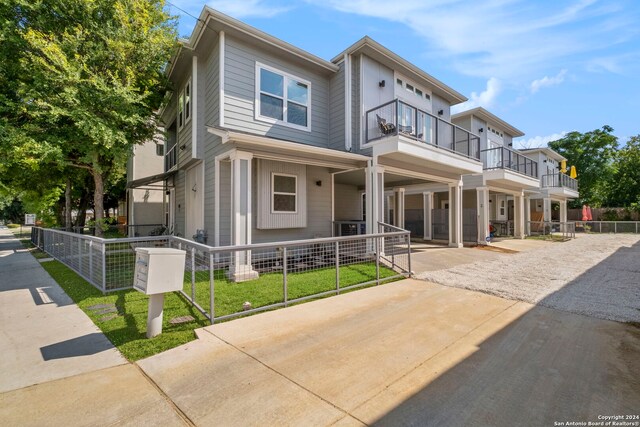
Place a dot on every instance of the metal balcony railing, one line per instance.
(399, 118)
(504, 158)
(559, 180)
(171, 158)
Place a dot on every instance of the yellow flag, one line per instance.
(573, 174)
(563, 166)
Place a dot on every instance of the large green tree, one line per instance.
(84, 79)
(592, 153)
(625, 186)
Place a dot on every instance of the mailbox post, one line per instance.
(158, 270)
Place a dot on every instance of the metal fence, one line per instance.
(505, 158)
(562, 230)
(608, 226)
(559, 180)
(232, 281)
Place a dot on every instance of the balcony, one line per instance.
(504, 158)
(397, 118)
(559, 180)
(170, 158)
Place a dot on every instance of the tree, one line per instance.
(625, 186)
(86, 78)
(592, 154)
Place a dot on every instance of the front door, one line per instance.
(194, 201)
(501, 207)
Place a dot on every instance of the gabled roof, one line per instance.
(490, 118)
(375, 50)
(546, 150)
(218, 21)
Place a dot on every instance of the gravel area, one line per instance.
(594, 275)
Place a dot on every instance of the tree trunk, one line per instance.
(67, 206)
(83, 205)
(98, 202)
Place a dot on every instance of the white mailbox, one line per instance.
(158, 270)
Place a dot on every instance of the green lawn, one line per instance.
(268, 288)
(127, 330)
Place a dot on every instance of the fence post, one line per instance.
(91, 259)
(212, 309)
(377, 248)
(104, 267)
(337, 250)
(636, 227)
(285, 265)
(409, 252)
(615, 227)
(193, 274)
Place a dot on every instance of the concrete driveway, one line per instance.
(407, 353)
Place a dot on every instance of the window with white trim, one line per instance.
(184, 105)
(282, 98)
(284, 193)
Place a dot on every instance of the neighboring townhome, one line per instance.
(556, 187)
(266, 142)
(502, 192)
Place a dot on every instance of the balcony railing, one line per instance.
(559, 180)
(504, 158)
(171, 158)
(399, 118)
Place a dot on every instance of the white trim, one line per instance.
(273, 192)
(221, 95)
(193, 100)
(188, 112)
(333, 203)
(216, 200)
(180, 110)
(285, 99)
(362, 118)
(347, 102)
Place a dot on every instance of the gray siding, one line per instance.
(476, 124)
(263, 170)
(225, 203)
(472, 181)
(240, 65)
(356, 106)
(180, 202)
(336, 109)
(348, 203)
(318, 211)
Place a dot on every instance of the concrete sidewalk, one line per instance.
(57, 367)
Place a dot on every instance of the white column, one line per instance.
(527, 215)
(518, 216)
(455, 214)
(241, 224)
(427, 197)
(483, 214)
(546, 209)
(374, 190)
(399, 207)
(563, 211)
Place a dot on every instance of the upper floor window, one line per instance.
(184, 105)
(282, 98)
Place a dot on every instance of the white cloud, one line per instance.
(247, 8)
(485, 99)
(547, 81)
(537, 141)
(507, 39)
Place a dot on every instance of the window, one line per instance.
(282, 98)
(181, 110)
(159, 150)
(184, 105)
(284, 193)
(418, 93)
(187, 101)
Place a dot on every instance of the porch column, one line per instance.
(483, 214)
(241, 268)
(527, 215)
(546, 209)
(374, 194)
(455, 214)
(518, 216)
(563, 211)
(399, 207)
(427, 197)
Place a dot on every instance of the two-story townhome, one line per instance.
(556, 187)
(503, 190)
(266, 142)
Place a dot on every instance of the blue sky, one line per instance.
(546, 67)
